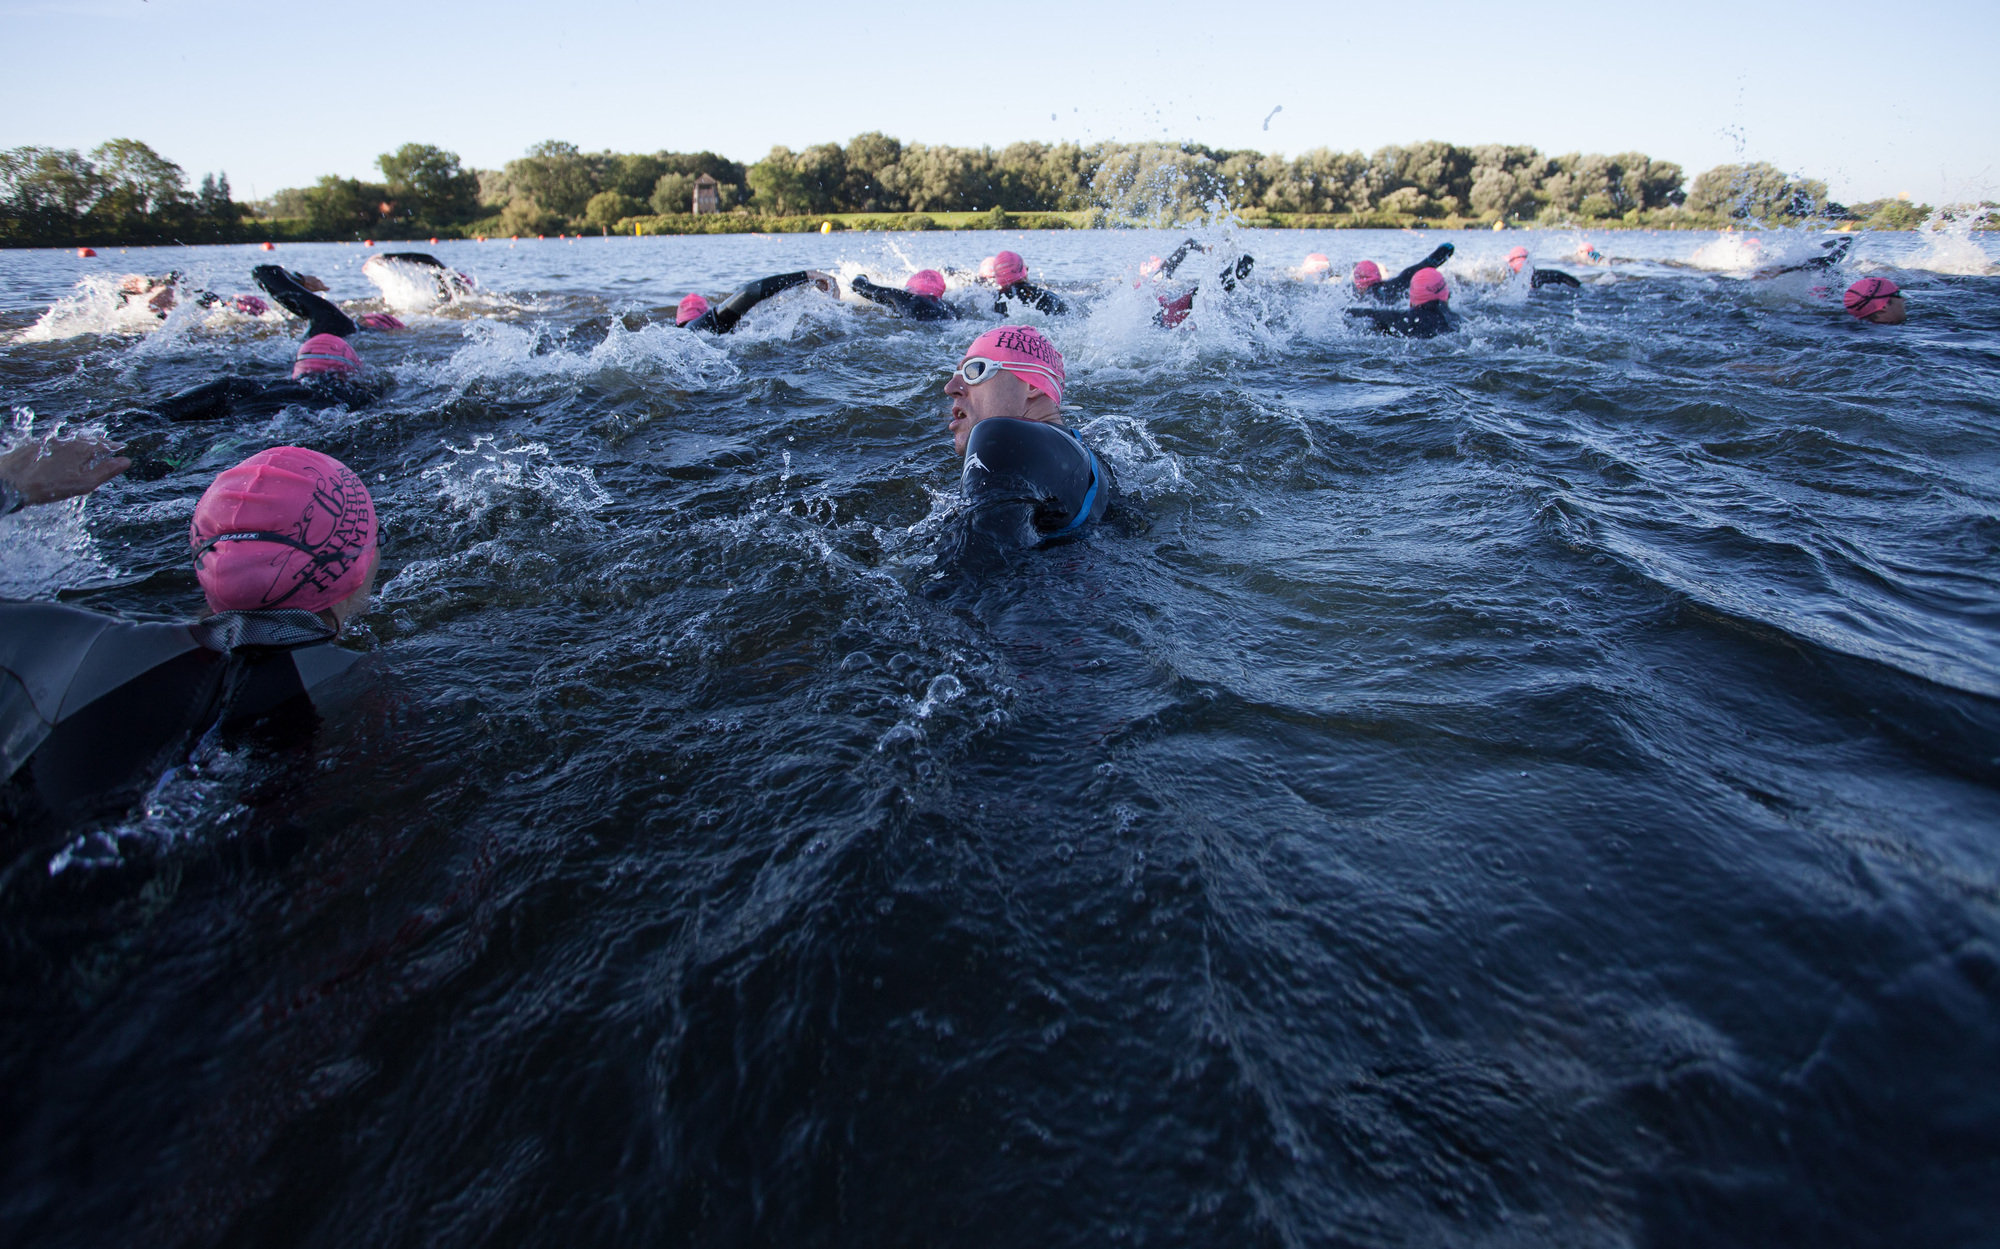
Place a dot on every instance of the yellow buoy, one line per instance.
(826, 227)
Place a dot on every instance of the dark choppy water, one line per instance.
(1531, 788)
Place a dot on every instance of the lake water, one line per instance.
(1535, 787)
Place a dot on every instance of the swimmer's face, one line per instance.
(1891, 313)
(1001, 394)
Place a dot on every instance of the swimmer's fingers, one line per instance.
(62, 468)
(310, 282)
(824, 281)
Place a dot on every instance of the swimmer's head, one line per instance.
(986, 268)
(1008, 269)
(1427, 288)
(1587, 250)
(1009, 371)
(926, 282)
(286, 528)
(690, 307)
(1316, 265)
(325, 353)
(1367, 275)
(1151, 265)
(1875, 299)
(1517, 259)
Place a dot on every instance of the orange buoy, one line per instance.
(481, 238)
(434, 242)
(269, 247)
(368, 242)
(541, 236)
(85, 252)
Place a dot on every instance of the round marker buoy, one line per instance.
(270, 247)
(434, 242)
(826, 227)
(84, 253)
(368, 242)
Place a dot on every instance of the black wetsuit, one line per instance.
(1030, 482)
(1425, 321)
(94, 708)
(1552, 277)
(1039, 298)
(449, 282)
(907, 304)
(244, 396)
(1396, 289)
(723, 317)
(1835, 253)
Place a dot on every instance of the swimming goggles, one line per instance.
(975, 369)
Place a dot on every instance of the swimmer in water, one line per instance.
(1027, 478)
(1369, 283)
(1174, 311)
(49, 470)
(921, 299)
(285, 546)
(447, 283)
(1426, 317)
(1316, 268)
(1833, 252)
(1010, 274)
(1518, 261)
(162, 294)
(696, 313)
(326, 372)
(1875, 300)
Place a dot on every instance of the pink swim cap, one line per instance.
(926, 282)
(325, 353)
(1869, 296)
(1151, 265)
(1366, 275)
(689, 308)
(1316, 262)
(1517, 258)
(1008, 269)
(986, 268)
(1024, 344)
(1428, 287)
(251, 305)
(287, 527)
(380, 321)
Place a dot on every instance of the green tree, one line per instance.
(635, 175)
(866, 156)
(608, 208)
(44, 193)
(673, 193)
(142, 192)
(427, 184)
(345, 208)
(776, 185)
(1756, 192)
(556, 176)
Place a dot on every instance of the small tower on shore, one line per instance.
(706, 193)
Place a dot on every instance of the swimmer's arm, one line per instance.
(1553, 277)
(1173, 262)
(321, 316)
(732, 309)
(415, 258)
(1047, 302)
(52, 469)
(888, 296)
(1401, 282)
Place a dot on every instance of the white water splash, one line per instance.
(1952, 246)
(659, 354)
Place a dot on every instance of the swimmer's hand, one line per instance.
(49, 469)
(860, 280)
(310, 282)
(824, 281)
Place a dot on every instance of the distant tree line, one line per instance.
(124, 191)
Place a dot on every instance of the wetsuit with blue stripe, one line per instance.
(1030, 482)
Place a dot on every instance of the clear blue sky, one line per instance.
(1874, 99)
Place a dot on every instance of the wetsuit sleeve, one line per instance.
(1173, 262)
(1044, 301)
(321, 316)
(415, 258)
(1552, 277)
(10, 499)
(732, 309)
(887, 296)
(1400, 284)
